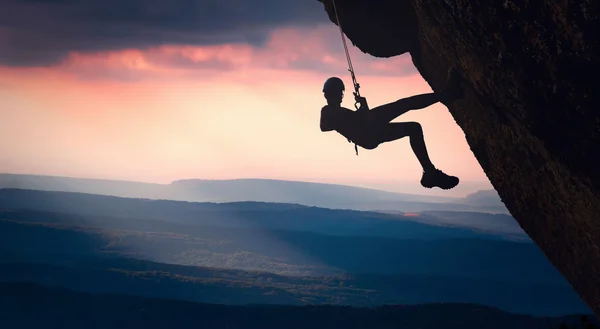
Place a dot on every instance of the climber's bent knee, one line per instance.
(397, 130)
(413, 129)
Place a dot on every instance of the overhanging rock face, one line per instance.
(532, 109)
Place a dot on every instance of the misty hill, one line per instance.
(46, 306)
(249, 215)
(259, 190)
(486, 199)
(54, 237)
(497, 223)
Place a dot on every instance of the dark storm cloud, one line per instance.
(42, 32)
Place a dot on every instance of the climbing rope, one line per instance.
(350, 67)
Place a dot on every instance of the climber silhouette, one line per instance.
(369, 128)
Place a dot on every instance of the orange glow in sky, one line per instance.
(228, 111)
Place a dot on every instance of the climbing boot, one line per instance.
(436, 177)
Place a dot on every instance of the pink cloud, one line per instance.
(317, 49)
(321, 49)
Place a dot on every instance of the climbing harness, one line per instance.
(350, 67)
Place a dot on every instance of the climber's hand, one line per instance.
(362, 101)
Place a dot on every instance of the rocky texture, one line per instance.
(532, 109)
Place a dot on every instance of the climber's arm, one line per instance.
(326, 120)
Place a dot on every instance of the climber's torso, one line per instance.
(353, 125)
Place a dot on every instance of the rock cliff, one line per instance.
(532, 109)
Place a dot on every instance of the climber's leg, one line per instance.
(388, 112)
(431, 175)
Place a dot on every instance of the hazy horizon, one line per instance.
(387, 186)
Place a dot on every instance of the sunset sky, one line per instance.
(161, 90)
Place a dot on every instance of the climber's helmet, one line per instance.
(334, 88)
(333, 84)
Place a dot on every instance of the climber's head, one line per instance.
(333, 90)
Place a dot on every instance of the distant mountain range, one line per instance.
(262, 190)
